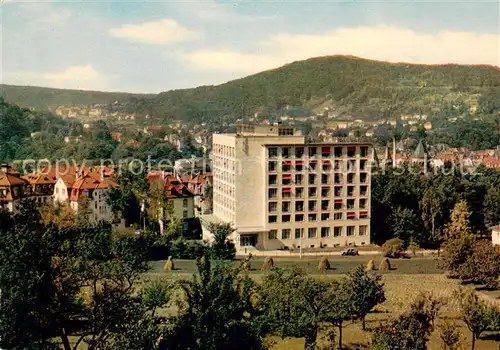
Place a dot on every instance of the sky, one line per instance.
(149, 47)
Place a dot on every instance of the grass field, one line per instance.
(406, 279)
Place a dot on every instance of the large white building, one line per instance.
(279, 191)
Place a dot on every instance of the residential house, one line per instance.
(12, 189)
(495, 235)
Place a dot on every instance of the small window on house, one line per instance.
(285, 218)
(312, 217)
(272, 166)
(272, 218)
(350, 230)
(363, 152)
(351, 151)
(273, 179)
(363, 230)
(325, 216)
(337, 216)
(273, 193)
(299, 152)
(338, 151)
(185, 214)
(286, 234)
(337, 231)
(313, 151)
(299, 217)
(273, 207)
(299, 206)
(325, 232)
(311, 232)
(299, 233)
(285, 152)
(273, 234)
(184, 202)
(272, 152)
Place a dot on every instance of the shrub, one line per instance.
(385, 265)
(169, 265)
(268, 263)
(324, 265)
(370, 266)
(393, 248)
(450, 335)
(413, 247)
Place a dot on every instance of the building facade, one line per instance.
(279, 191)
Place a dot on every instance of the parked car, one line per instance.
(350, 252)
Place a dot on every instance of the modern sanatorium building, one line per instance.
(279, 191)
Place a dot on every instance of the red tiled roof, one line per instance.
(8, 180)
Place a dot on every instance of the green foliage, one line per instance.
(411, 330)
(476, 314)
(221, 248)
(365, 291)
(156, 294)
(215, 311)
(404, 224)
(492, 206)
(393, 248)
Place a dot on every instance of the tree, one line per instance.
(404, 224)
(431, 206)
(393, 248)
(156, 295)
(222, 248)
(492, 206)
(410, 330)
(295, 305)
(484, 263)
(457, 252)
(459, 224)
(216, 310)
(365, 290)
(450, 335)
(84, 212)
(174, 228)
(475, 313)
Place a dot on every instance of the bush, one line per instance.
(370, 266)
(169, 265)
(324, 265)
(385, 265)
(393, 248)
(268, 263)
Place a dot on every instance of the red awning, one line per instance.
(287, 177)
(325, 150)
(299, 162)
(287, 190)
(287, 162)
(338, 201)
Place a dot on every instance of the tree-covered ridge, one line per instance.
(353, 86)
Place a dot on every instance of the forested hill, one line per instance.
(352, 86)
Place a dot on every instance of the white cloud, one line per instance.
(381, 43)
(75, 77)
(162, 32)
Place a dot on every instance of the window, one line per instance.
(350, 178)
(338, 151)
(313, 151)
(298, 179)
(286, 179)
(337, 231)
(337, 205)
(337, 216)
(325, 179)
(363, 214)
(351, 152)
(325, 232)
(325, 192)
(273, 193)
(286, 192)
(272, 219)
(351, 216)
(338, 191)
(350, 203)
(325, 205)
(285, 131)
(312, 217)
(351, 165)
(312, 232)
(327, 166)
(299, 152)
(362, 203)
(273, 207)
(337, 165)
(286, 234)
(299, 166)
(312, 192)
(285, 218)
(363, 190)
(350, 230)
(299, 217)
(363, 164)
(185, 214)
(299, 233)
(272, 152)
(273, 179)
(311, 205)
(272, 166)
(299, 192)
(299, 206)
(338, 178)
(286, 166)
(325, 216)
(285, 207)
(273, 234)
(363, 151)
(350, 191)
(363, 178)
(285, 152)
(312, 179)
(363, 230)
(184, 203)
(325, 151)
(312, 165)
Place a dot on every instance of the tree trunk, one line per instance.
(311, 336)
(473, 341)
(363, 322)
(65, 340)
(340, 336)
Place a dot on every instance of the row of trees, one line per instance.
(415, 207)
